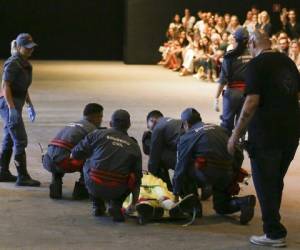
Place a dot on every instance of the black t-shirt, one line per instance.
(275, 78)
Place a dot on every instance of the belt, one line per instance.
(240, 85)
(108, 178)
(202, 162)
(62, 144)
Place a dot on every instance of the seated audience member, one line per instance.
(248, 19)
(176, 25)
(188, 20)
(294, 53)
(253, 25)
(283, 45)
(233, 25)
(220, 25)
(113, 168)
(265, 24)
(292, 27)
(57, 159)
(203, 62)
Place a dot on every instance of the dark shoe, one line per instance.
(80, 192)
(99, 208)
(27, 181)
(6, 176)
(24, 178)
(247, 208)
(206, 192)
(56, 187)
(117, 214)
(147, 213)
(186, 207)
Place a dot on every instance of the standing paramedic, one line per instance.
(16, 79)
(233, 76)
(271, 114)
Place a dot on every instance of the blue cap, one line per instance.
(189, 113)
(25, 40)
(120, 117)
(241, 34)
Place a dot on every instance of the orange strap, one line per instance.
(112, 179)
(62, 144)
(240, 85)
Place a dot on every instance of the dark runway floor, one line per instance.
(30, 220)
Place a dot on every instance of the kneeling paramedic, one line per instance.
(203, 156)
(113, 168)
(160, 142)
(57, 159)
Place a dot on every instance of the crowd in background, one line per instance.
(196, 46)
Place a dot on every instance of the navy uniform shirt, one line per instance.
(202, 140)
(275, 78)
(165, 135)
(233, 67)
(18, 72)
(71, 134)
(110, 150)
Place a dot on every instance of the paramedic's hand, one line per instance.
(216, 105)
(131, 209)
(31, 113)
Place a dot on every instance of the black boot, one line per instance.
(115, 209)
(56, 186)
(5, 174)
(24, 178)
(116, 213)
(99, 207)
(80, 192)
(147, 213)
(246, 204)
(247, 209)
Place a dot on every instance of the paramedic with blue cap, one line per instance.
(233, 76)
(202, 156)
(16, 79)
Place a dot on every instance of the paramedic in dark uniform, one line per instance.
(271, 114)
(16, 79)
(202, 155)
(233, 76)
(113, 168)
(163, 144)
(57, 159)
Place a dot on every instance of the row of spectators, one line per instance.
(197, 46)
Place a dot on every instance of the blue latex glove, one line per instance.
(14, 116)
(31, 113)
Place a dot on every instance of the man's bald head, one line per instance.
(258, 41)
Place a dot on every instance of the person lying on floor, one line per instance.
(156, 201)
